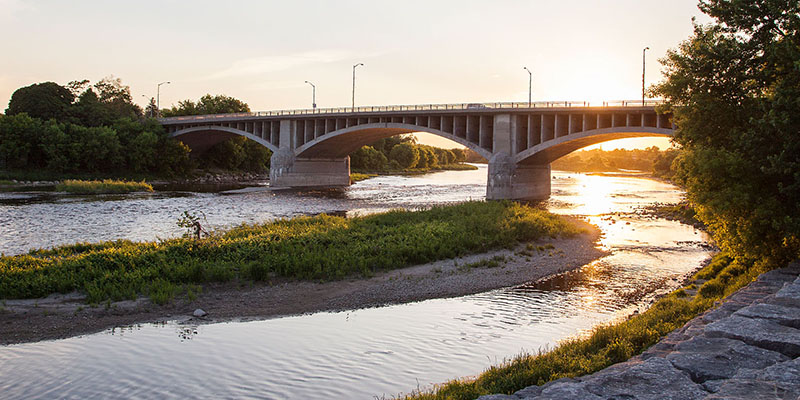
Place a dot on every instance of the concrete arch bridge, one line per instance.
(520, 140)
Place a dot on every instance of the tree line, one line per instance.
(402, 152)
(733, 89)
(651, 159)
(97, 129)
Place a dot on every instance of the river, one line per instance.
(357, 354)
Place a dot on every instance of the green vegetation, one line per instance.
(208, 104)
(63, 148)
(607, 344)
(310, 248)
(356, 177)
(401, 153)
(597, 160)
(80, 131)
(493, 262)
(104, 186)
(734, 90)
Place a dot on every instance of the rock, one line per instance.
(498, 397)
(199, 313)
(567, 390)
(758, 332)
(719, 358)
(655, 378)
(786, 316)
(780, 381)
(533, 391)
(789, 295)
(713, 386)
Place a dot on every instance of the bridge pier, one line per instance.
(298, 172)
(509, 181)
(288, 171)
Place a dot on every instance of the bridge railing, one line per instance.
(424, 107)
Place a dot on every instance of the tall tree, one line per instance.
(734, 91)
(208, 104)
(117, 98)
(44, 100)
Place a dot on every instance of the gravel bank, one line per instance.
(62, 316)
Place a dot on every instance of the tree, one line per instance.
(89, 111)
(77, 87)
(117, 98)
(152, 109)
(208, 104)
(734, 91)
(20, 142)
(406, 155)
(44, 100)
(385, 145)
(367, 158)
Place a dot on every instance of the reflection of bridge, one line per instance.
(311, 147)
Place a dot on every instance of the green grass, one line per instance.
(316, 248)
(356, 177)
(104, 186)
(493, 262)
(608, 344)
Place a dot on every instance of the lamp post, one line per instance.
(643, 62)
(530, 84)
(313, 95)
(354, 85)
(158, 97)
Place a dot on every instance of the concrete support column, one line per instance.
(509, 181)
(502, 138)
(288, 171)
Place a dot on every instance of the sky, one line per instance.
(414, 52)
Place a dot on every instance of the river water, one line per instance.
(357, 354)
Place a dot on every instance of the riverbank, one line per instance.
(61, 316)
(748, 347)
(530, 375)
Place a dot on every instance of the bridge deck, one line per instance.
(552, 106)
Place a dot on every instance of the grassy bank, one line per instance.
(609, 344)
(311, 248)
(101, 187)
(356, 177)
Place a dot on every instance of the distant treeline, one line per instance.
(650, 159)
(82, 129)
(76, 129)
(400, 153)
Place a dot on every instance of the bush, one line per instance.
(406, 155)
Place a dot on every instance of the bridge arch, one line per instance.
(204, 137)
(551, 150)
(340, 143)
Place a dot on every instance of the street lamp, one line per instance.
(354, 85)
(530, 83)
(313, 95)
(158, 97)
(643, 61)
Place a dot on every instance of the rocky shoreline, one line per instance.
(746, 348)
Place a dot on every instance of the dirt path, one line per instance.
(61, 316)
